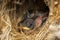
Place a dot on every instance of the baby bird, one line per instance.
(33, 20)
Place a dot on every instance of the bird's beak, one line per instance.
(25, 28)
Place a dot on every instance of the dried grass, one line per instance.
(9, 31)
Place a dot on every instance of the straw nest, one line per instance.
(9, 20)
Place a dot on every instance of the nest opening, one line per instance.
(35, 11)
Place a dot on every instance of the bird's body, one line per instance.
(33, 20)
(38, 21)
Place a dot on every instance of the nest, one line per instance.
(9, 18)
